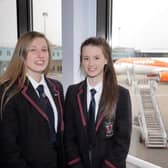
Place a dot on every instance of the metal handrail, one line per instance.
(143, 126)
(159, 114)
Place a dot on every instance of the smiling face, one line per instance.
(93, 62)
(37, 58)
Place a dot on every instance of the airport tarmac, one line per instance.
(158, 156)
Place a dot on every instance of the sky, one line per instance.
(140, 24)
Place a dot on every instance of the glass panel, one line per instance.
(140, 30)
(8, 32)
(140, 25)
(47, 19)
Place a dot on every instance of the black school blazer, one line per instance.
(24, 138)
(110, 150)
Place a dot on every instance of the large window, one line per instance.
(8, 32)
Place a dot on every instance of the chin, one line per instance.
(92, 76)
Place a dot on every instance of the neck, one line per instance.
(94, 81)
(36, 76)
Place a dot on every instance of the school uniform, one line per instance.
(112, 137)
(25, 134)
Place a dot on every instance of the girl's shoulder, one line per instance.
(55, 82)
(123, 89)
(77, 86)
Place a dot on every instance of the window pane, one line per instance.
(140, 25)
(8, 32)
(47, 19)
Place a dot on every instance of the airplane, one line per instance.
(153, 67)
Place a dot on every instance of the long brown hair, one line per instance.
(16, 68)
(109, 95)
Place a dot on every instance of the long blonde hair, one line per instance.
(16, 70)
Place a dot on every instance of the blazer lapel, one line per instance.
(55, 92)
(100, 116)
(99, 119)
(29, 93)
(82, 102)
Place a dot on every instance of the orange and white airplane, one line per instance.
(150, 66)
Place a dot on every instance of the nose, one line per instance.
(39, 53)
(91, 62)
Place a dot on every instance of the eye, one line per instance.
(97, 58)
(44, 49)
(32, 50)
(85, 58)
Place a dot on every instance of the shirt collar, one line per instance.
(35, 83)
(97, 87)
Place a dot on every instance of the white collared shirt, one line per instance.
(35, 84)
(98, 89)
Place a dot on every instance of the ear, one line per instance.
(106, 61)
